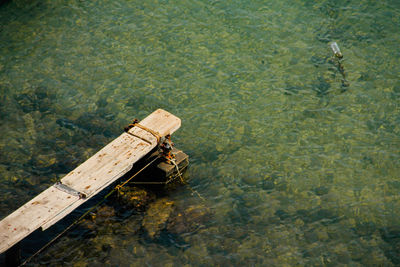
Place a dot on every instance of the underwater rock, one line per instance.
(66, 123)
(391, 235)
(105, 212)
(43, 161)
(4, 91)
(157, 216)
(267, 185)
(342, 253)
(283, 215)
(135, 197)
(198, 253)
(251, 179)
(30, 131)
(36, 98)
(101, 102)
(318, 61)
(188, 220)
(321, 190)
(322, 86)
(95, 124)
(26, 102)
(96, 218)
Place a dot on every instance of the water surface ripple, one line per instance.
(297, 168)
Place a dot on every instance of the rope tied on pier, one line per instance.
(135, 123)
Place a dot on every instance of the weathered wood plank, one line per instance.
(32, 215)
(92, 176)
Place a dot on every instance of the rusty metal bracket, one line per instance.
(69, 190)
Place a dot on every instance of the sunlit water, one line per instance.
(297, 168)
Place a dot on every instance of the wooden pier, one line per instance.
(88, 179)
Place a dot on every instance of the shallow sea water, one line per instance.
(297, 169)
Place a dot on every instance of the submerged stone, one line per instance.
(391, 235)
(26, 102)
(66, 123)
(267, 185)
(135, 197)
(98, 217)
(189, 219)
(157, 216)
(321, 190)
(282, 214)
(44, 161)
(105, 212)
(36, 98)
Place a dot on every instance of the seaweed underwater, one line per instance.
(295, 153)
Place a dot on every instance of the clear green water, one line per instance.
(297, 169)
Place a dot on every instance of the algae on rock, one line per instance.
(157, 216)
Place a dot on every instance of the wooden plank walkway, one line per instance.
(92, 176)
